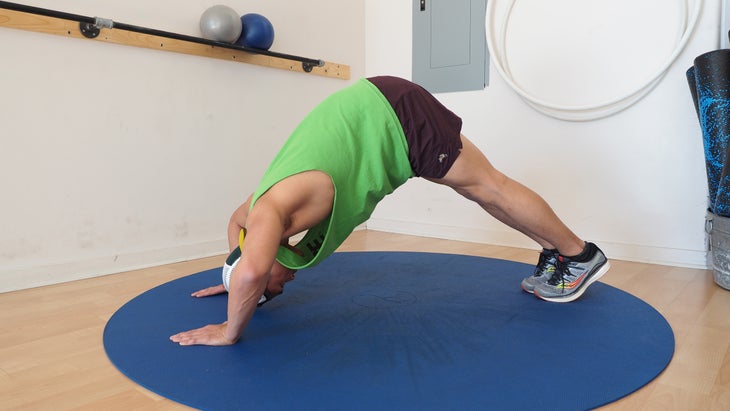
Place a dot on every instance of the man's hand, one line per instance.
(207, 292)
(214, 334)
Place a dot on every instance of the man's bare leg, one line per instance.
(562, 277)
(474, 177)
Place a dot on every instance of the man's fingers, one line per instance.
(206, 292)
(209, 335)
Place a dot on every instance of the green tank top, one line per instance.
(355, 137)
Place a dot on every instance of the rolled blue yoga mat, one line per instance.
(709, 83)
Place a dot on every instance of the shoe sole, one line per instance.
(572, 297)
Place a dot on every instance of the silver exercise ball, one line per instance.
(221, 23)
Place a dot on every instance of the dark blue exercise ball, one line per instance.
(258, 32)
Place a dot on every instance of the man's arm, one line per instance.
(265, 227)
(291, 206)
(248, 281)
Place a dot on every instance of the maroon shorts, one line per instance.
(432, 131)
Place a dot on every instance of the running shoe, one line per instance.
(571, 278)
(543, 270)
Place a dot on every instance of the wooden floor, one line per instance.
(52, 357)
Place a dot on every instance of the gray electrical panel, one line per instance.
(449, 45)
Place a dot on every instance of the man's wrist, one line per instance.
(227, 334)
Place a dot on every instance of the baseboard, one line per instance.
(38, 276)
(510, 238)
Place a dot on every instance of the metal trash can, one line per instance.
(719, 229)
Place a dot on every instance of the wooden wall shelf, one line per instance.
(18, 16)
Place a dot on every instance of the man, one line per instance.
(351, 151)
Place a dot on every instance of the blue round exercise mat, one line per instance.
(396, 331)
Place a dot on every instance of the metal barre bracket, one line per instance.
(91, 31)
(307, 66)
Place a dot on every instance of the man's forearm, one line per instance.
(243, 297)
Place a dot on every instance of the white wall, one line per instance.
(635, 182)
(117, 157)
